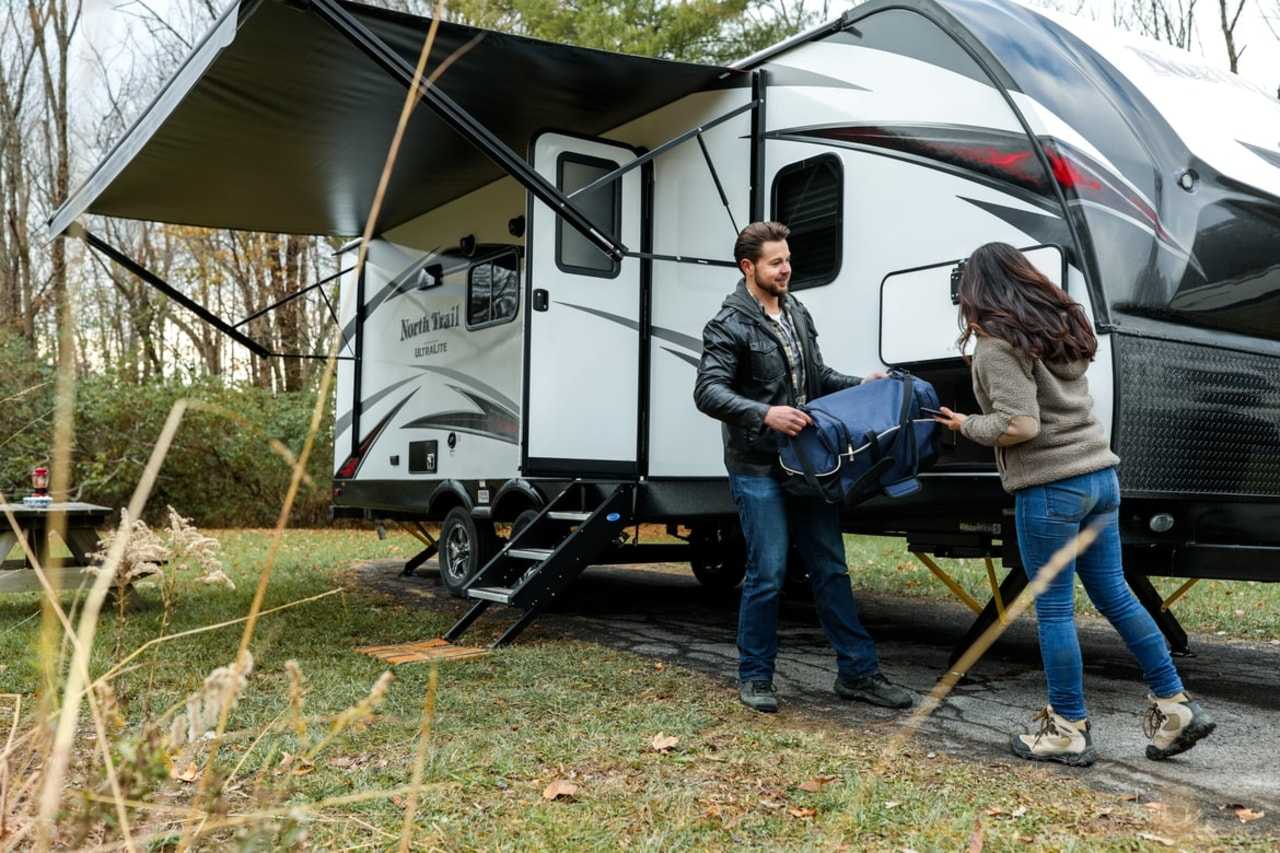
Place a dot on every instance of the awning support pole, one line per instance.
(682, 259)
(295, 295)
(96, 243)
(466, 125)
(663, 148)
(715, 176)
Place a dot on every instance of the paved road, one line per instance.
(666, 614)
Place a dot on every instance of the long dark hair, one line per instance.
(1003, 295)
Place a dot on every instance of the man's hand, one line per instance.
(786, 420)
(953, 420)
(874, 375)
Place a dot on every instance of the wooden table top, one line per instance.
(70, 508)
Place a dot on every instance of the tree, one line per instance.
(1228, 22)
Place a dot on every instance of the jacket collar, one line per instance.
(742, 300)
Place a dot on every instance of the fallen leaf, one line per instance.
(771, 804)
(190, 773)
(662, 742)
(975, 838)
(1019, 811)
(1248, 815)
(559, 788)
(802, 812)
(286, 759)
(1158, 839)
(1156, 807)
(1129, 797)
(343, 761)
(659, 666)
(816, 784)
(1239, 612)
(996, 811)
(892, 804)
(932, 755)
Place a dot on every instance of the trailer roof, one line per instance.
(278, 123)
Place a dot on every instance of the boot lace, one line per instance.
(1047, 724)
(1153, 720)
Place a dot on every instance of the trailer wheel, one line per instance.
(719, 559)
(464, 547)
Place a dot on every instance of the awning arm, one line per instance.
(75, 229)
(292, 296)
(465, 124)
(663, 148)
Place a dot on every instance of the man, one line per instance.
(760, 361)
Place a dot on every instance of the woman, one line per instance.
(1033, 346)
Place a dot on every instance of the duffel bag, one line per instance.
(866, 440)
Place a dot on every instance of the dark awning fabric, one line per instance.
(277, 123)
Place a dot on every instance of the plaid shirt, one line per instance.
(793, 352)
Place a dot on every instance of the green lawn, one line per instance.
(1242, 610)
(508, 725)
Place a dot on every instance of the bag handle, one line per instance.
(810, 476)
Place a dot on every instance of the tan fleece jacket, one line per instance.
(1009, 384)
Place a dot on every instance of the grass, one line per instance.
(1240, 610)
(544, 710)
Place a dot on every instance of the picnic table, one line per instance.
(80, 536)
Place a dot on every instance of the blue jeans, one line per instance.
(1048, 517)
(771, 519)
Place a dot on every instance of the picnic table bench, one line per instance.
(35, 522)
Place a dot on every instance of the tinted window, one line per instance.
(602, 206)
(493, 294)
(807, 198)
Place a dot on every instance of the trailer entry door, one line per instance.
(582, 363)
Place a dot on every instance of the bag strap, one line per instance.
(810, 476)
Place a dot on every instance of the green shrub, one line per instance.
(222, 471)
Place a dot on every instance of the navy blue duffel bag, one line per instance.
(866, 440)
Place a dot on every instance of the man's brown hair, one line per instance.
(751, 240)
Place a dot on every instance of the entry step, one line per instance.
(500, 594)
(538, 554)
(577, 517)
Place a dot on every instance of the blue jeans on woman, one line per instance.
(1048, 517)
(771, 521)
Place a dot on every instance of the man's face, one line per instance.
(772, 270)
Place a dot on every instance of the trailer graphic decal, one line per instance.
(351, 466)
(1004, 159)
(671, 335)
(1272, 157)
(344, 421)
(492, 421)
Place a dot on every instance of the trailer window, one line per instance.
(493, 292)
(602, 206)
(808, 198)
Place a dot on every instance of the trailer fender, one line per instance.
(449, 494)
(514, 497)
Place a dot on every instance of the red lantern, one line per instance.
(40, 482)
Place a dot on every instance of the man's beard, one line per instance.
(774, 288)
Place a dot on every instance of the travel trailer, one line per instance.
(521, 343)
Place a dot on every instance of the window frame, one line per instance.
(466, 301)
(799, 165)
(616, 187)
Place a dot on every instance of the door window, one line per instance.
(602, 207)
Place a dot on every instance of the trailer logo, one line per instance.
(434, 321)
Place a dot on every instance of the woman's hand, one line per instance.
(953, 420)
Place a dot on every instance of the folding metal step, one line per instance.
(537, 554)
(499, 594)
(575, 517)
(528, 574)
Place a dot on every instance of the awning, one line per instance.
(279, 123)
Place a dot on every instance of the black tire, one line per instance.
(523, 520)
(719, 559)
(464, 547)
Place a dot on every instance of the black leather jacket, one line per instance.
(744, 371)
